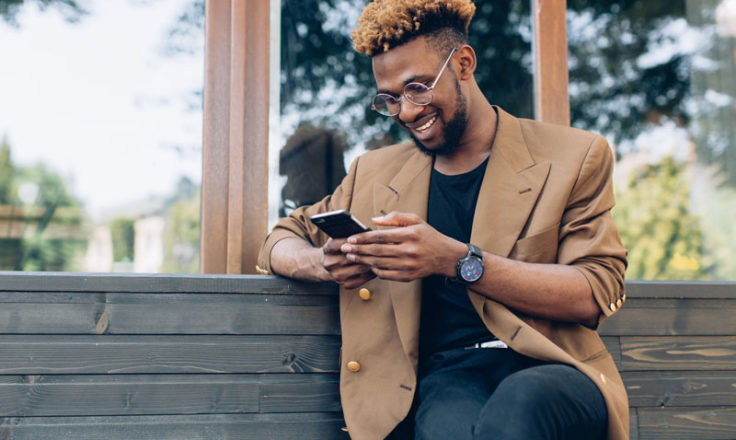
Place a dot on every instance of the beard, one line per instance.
(452, 131)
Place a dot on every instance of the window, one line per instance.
(658, 79)
(325, 87)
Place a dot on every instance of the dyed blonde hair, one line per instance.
(385, 24)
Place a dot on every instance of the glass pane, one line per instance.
(325, 119)
(659, 80)
(100, 135)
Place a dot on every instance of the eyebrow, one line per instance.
(407, 81)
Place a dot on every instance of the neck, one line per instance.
(475, 145)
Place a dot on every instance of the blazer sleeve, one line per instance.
(298, 225)
(589, 239)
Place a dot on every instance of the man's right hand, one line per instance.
(346, 273)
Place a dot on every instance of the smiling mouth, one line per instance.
(426, 125)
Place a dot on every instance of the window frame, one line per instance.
(236, 104)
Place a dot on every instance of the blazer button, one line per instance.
(619, 302)
(613, 307)
(364, 294)
(624, 297)
(353, 366)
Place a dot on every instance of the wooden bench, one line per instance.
(89, 356)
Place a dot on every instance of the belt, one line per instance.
(488, 344)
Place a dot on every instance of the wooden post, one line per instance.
(235, 165)
(551, 100)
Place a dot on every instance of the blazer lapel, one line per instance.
(511, 186)
(408, 191)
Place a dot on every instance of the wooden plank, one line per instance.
(53, 354)
(136, 313)
(633, 424)
(159, 283)
(100, 395)
(680, 389)
(215, 164)
(255, 221)
(613, 345)
(672, 317)
(678, 353)
(552, 103)
(681, 289)
(309, 426)
(687, 424)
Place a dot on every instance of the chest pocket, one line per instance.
(538, 248)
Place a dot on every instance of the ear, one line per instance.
(467, 62)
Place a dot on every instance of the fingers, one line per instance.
(397, 219)
(332, 247)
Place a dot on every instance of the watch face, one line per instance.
(471, 270)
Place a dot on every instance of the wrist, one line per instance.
(457, 250)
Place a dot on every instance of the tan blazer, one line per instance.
(545, 198)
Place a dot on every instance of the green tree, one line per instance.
(664, 239)
(182, 230)
(6, 173)
(71, 9)
(122, 230)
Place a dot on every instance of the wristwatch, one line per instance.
(470, 267)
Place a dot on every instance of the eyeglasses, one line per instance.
(415, 92)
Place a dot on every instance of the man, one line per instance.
(470, 308)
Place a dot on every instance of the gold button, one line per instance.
(353, 366)
(603, 378)
(613, 307)
(344, 429)
(364, 294)
(624, 297)
(619, 302)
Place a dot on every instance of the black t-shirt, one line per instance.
(448, 318)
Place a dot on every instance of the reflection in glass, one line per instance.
(328, 86)
(100, 135)
(659, 80)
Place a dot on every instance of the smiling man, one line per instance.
(469, 311)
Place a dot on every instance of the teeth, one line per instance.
(427, 125)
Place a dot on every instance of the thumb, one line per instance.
(397, 219)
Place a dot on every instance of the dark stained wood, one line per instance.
(63, 354)
(92, 395)
(223, 356)
(685, 353)
(680, 389)
(138, 313)
(306, 426)
(551, 100)
(672, 317)
(158, 283)
(686, 424)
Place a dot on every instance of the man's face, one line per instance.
(437, 127)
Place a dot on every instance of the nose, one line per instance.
(409, 111)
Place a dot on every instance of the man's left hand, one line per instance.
(410, 251)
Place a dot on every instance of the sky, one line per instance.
(100, 103)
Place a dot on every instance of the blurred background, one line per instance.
(101, 122)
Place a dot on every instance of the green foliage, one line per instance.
(35, 249)
(181, 233)
(123, 239)
(6, 174)
(664, 239)
(71, 9)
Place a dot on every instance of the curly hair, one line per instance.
(385, 24)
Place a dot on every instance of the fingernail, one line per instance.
(346, 248)
(352, 240)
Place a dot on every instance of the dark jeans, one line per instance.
(491, 393)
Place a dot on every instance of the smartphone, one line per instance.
(338, 224)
